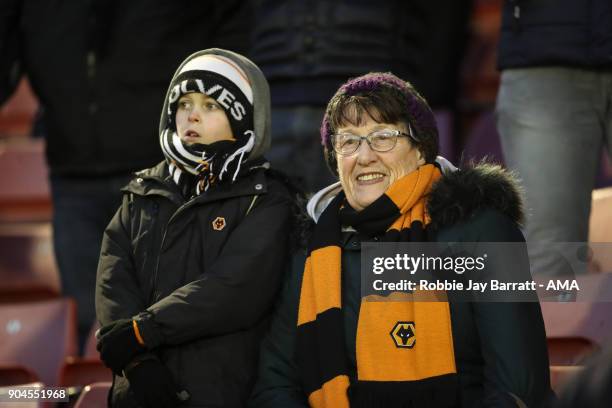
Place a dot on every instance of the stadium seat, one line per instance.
(27, 263)
(560, 375)
(588, 318)
(24, 195)
(13, 374)
(78, 373)
(569, 351)
(39, 336)
(17, 114)
(94, 396)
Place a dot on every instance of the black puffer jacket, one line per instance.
(560, 32)
(201, 276)
(500, 348)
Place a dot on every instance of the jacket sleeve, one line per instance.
(512, 336)
(238, 289)
(10, 11)
(118, 295)
(278, 383)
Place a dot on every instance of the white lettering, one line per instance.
(238, 111)
(226, 98)
(377, 266)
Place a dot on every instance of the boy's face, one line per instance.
(200, 119)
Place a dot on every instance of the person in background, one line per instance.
(99, 69)
(329, 346)
(554, 115)
(307, 49)
(590, 386)
(192, 260)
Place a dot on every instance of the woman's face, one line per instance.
(366, 174)
(200, 119)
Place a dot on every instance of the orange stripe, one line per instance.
(405, 191)
(332, 394)
(320, 291)
(139, 338)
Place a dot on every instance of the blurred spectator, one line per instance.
(554, 111)
(592, 387)
(308, 48)
(100, 69)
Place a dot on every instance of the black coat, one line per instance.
(500, 348)
(200, 276)
(572, 33)
(101, 67)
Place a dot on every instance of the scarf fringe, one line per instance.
(244, 149)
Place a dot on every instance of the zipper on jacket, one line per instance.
(183, 207)
(161, 247)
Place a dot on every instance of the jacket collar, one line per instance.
(157, 181)
(459, 195)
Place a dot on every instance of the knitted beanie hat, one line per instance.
(414, 110)
(222, 79)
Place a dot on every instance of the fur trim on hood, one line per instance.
(460, 194)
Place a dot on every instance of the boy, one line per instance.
(193, 258)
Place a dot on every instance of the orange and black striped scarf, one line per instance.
(420, 372)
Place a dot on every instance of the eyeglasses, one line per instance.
(383, 140)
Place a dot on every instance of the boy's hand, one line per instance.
(117, 344)
(153, 385)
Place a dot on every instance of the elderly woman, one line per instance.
(329, 348)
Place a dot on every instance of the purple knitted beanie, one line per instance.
(418, 112)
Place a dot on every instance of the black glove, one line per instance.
(153, 385)
(118, 345)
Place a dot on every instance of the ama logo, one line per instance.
(403, 334)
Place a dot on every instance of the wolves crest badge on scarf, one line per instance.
(218, 224)
(403, 334)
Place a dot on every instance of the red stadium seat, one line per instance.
(94, 396)
(39, 336)
(569, 351)
(17, 113)
(588, 318)
(24, 195)
(10, 375)
(560, 375)
(27, 263)
(77, 373)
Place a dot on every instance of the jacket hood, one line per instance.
(261, 97)
(458, 195)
